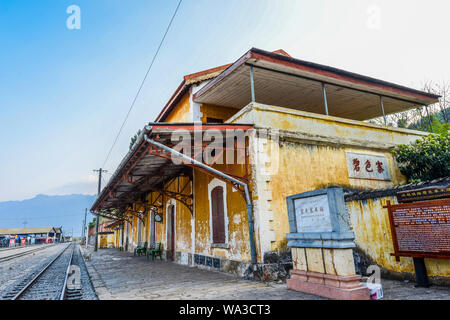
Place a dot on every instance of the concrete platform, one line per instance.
(120, 275)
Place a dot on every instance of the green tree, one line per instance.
(134, 138)
(427, 158)
(92, 223)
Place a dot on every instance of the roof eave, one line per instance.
(333, 73)
(176, 96)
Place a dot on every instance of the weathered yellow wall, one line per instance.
(106, 240)
(182, 218)
(183, 223)
(370, 223)
(180, 112)
(304, 168)
(238, 238)
(311, 156)
(117, 237)
(110, 239)
(217, 112)
(322, 128)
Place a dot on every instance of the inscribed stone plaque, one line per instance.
(319, 219)
(367, 166)
(313, 214)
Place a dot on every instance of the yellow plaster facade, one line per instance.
(370, 222)
(304, 151)
(216, 112)
(181, 112)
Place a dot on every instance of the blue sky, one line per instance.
(64, 93)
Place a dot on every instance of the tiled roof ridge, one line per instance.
(360, 195)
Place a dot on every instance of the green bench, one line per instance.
(141, 249)
(155, 251)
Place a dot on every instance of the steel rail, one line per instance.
(32, 281)
(21, 254)
(63, 290)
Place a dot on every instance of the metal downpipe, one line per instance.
(202, 165)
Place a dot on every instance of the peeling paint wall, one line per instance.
(304, 168)
(301, 151)
(194, 230)
(370, 223)
(183, 216)
(117, 238)
(238, 244)
(216, 112)
(238, 237)
(181, 111)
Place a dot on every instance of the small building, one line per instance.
(117, 228)
(59, 237)
(106, 236)
(210, 176)
(35, 235)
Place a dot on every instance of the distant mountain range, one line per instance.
(48, 211)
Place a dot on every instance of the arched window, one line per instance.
(217, 215)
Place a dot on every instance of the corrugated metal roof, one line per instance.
(26, 230)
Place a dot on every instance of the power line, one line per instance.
(104, 180)
(142, 83)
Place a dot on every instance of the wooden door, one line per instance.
(218, 219)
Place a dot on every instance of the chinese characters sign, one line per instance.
(424, 194)
(312, 214)
(421, 228)
(366, 166)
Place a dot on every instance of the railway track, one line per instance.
(53, 281)
(22, 253)
(71, 291)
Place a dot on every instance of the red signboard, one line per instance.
(421, 229)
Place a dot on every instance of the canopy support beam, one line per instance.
(213, 171)
(324, 93)
(252, 83)
(382, 110)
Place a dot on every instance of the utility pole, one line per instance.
(84, 228)
(96, 220)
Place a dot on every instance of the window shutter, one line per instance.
(218, 219)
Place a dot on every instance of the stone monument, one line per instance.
(321, 242)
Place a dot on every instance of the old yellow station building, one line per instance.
(294, 126)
